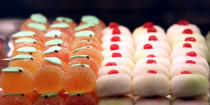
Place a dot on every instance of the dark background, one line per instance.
(131, 13)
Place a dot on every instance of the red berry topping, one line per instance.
(115, 38)
(113, 72)
(113, 25)
(190, 61)
(152, 72)
(187, 31)
(191, 54)
(151, 61)
(186, 72)
(183, 22)
(114, 47)
(151, 56)
(152, 38)
(148, 46)
(111, 64)
(191, 39)
(187, 45)
(116, 31)
(116, 54)
(148, 24)
(151, 29)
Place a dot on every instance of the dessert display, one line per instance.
(65, 63)
(151, 75)
(53, 64)
(116, 68)
(189, 78)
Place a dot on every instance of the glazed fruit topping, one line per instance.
(113, 72)
(116, 54)
(111, 64)
(186, 72)
(114, 47)
(191, 39)
(153, 38)
(148, 24)
(151, 29)
(183, 22)
(116, 31)
(115, 39)
(113, 25)
(191, 54)
(151, 56)
(151, 61)
(148, 46)
(152, 72)
(187, 45)
(190, 62)
(187, 31)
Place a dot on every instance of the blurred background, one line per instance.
(131, 13)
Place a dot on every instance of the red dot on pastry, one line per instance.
(152, 38)
(148, 24)
(187, 45)
(191, 54)
(113, 25)
(115, 38)
(190, 61)
(151, 61)
(183, 22)
(116, 54)
(151, 56)
(187, 31)
(191, 39)
(152, 72)
(186, 72)
(114, 47)
(116, 31)
(151, 29)
(113, 72)
(148, 46)
(111, 64)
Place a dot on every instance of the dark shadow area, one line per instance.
(130, 13)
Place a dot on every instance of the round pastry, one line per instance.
(116, 30)
(114, 46)
(108, 85)
(146, 27)
(118, 61)
(146, 68)
(199, 46)
(36, 18)
(195, 38)
(150, 37)
(117, 38)
(67, 20)
(190, 52)
(157, 60)
(148, 45)
(119, 53)
(190, 60)
(189, 85)
(179, 27)
(189, 68)
(108, 69)
(91, 19)
(157, 52)
(151, 84)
